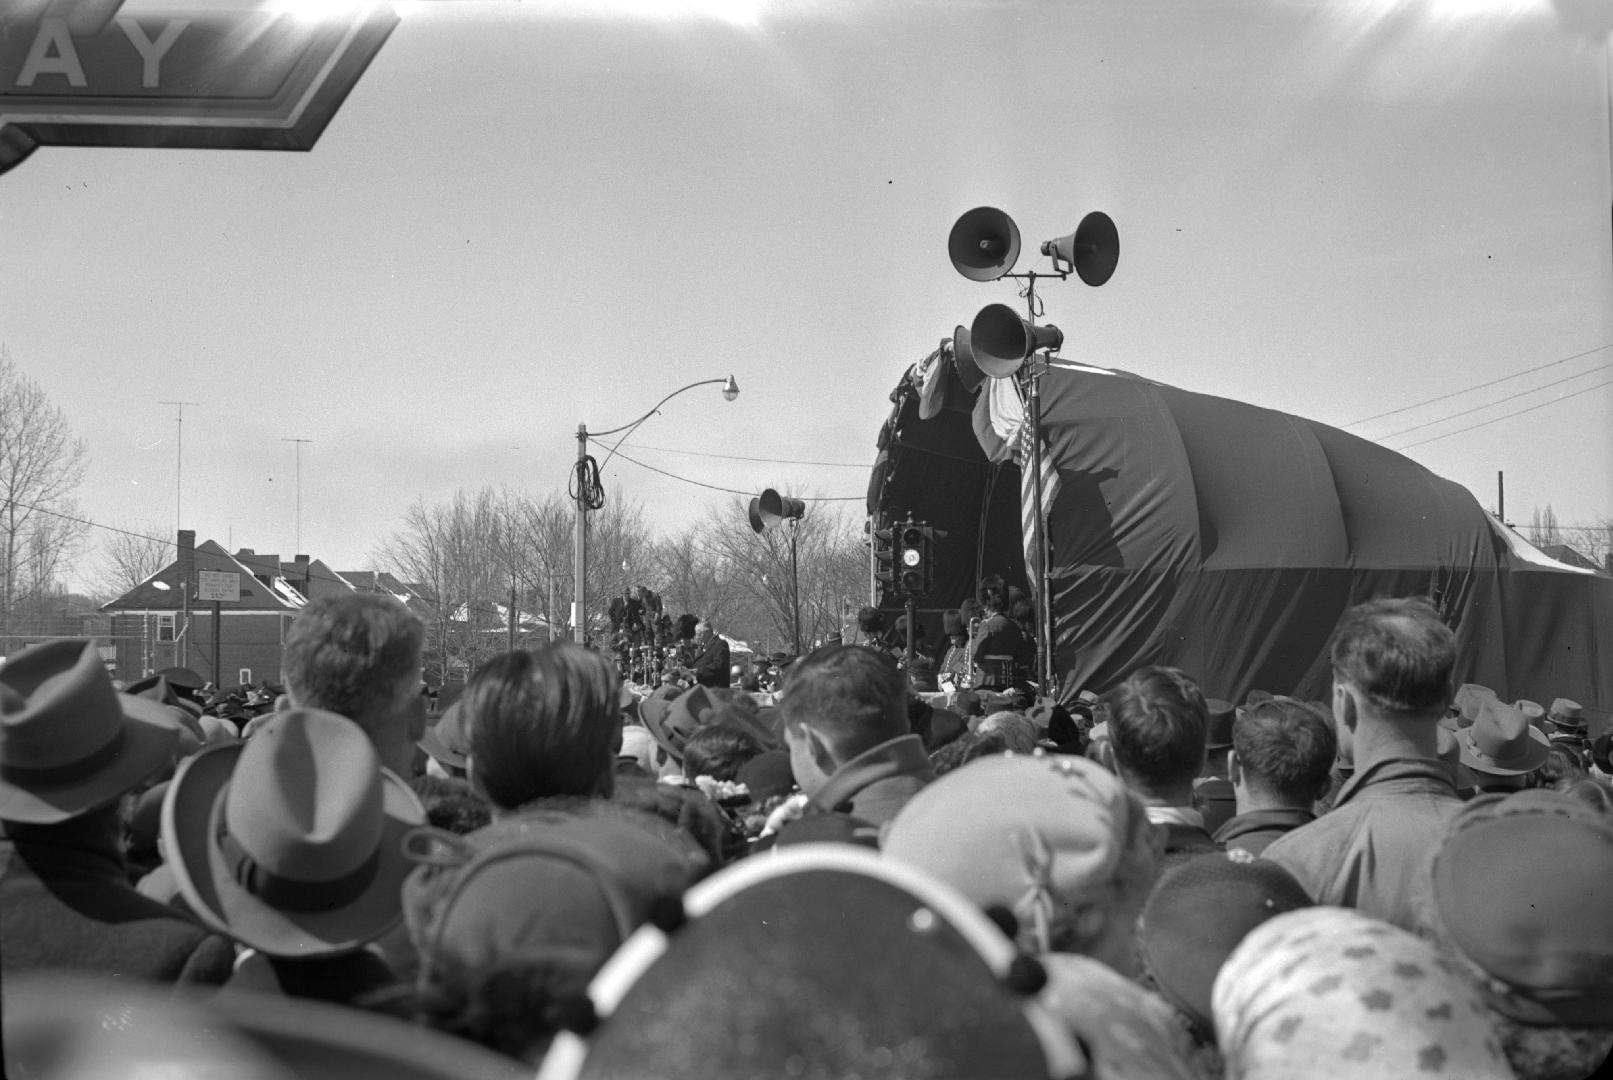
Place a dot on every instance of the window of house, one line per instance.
(165, 628)
(246, 677)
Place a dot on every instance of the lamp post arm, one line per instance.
(628, 429)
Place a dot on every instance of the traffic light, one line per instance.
(914, 555)
(885, 558)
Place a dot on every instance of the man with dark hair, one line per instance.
(1157, 724)
(359, 655)
(1281, 760)
(845, 722)
(542, 724)
(997, 641)
(1392, 663)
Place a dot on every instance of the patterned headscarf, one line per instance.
(1330, 994)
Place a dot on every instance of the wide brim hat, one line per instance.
(672, 722)
(1469, 697)
(1521, 885)
(69, 743)
(764, 948)
(1502, 742)
(193, 822)
(158, 688)
(447, 740)
(1568, 715)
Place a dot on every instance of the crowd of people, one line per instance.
(568, 874)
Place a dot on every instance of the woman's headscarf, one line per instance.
(1330, 994)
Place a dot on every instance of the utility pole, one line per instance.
(179, 457)
(299, 443)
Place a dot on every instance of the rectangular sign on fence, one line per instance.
(218, 585)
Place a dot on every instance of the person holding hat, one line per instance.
(70, 748)
(291, 844)
(1502, 749)
(1519, 895)
(1281, 761)
(1213, 795)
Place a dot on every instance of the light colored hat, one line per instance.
(69, 743)
(1029, 834)
(1567, 715)
(1502, 742)
(290, 841)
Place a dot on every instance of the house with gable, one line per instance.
(162, 623)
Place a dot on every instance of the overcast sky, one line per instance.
(528, 216)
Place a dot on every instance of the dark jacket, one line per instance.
(877, 783)
(65, 904)
(1184, 843)
(711, 665)
(1252, 832)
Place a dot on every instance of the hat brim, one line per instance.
(432, 744)
(150, 740)
(189, 823)
(654, 713)
(1538, 746)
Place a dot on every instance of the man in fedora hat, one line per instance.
(291, 843)
(1502, 748)
(70, 748)
(1569, 728)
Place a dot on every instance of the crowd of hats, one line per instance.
(1014, 919)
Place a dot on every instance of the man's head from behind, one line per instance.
(1392, 659)
(359, 655)
(543, 723)
(839, 701)
(1157, 723)
(1282, 754)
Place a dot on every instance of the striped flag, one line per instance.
(1027, 498)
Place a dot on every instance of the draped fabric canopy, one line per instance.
(1227, 540)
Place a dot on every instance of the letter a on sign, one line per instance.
(72, 74)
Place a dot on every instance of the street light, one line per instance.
(590, 496)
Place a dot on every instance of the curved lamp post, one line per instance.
(579, 626)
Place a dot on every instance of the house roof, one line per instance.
(161, 591)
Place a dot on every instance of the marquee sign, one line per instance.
(88, 73)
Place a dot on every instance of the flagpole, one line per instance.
(1044, 602)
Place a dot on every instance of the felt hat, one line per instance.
(1533, 711)
(216, 730)
(291, 841)
(1469, 696)
(1031, 834)
(1521, 885)
(566, 893)
(158, 688)
(448, 740)
(1501, 741)
(69, 743)
(1057, 726)
(1218, 734)
(766, 976)
(1197, 914)
(1567, 715)
(672, 721)
(767, 775)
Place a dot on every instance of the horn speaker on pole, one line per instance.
(775, 508)
(756, 522)
(984, 244)
(1002, 340)
(1092, 250)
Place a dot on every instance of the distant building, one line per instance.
(149, 626)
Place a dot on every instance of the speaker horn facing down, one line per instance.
(963, 360)
(1092, 250)
(984, 244)
(1002, 341)
(756, 522)
(775, 508)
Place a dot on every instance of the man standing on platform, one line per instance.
(711, 665)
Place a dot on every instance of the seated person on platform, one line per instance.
(997, 636)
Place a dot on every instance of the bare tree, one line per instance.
(1543, 528)
(129, 556)
(41, 465)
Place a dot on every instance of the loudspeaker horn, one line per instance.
(963, 360)
(1002, 341)
(1092, 250)
(775, 508)
(756, 522)
(984, 244)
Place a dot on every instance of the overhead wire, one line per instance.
(727, 490)
(1507, 416)
(1493, 404)
(1477, 386)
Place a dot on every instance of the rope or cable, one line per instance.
(1491, 404)
(1504, 416)
(1479, 386)
(765, 461)
(584, 486)
(732, 491)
